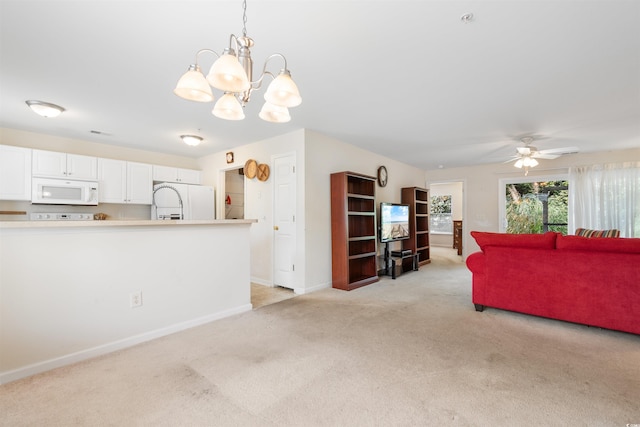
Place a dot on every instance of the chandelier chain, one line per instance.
(244, 18)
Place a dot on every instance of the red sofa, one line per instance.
(592, 281)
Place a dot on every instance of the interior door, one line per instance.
(284, 222)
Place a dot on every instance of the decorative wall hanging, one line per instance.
(263, 172)
(250, 168)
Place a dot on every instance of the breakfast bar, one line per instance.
(71, 290)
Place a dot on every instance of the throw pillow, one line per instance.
(585, 232)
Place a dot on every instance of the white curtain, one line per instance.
(602, 197)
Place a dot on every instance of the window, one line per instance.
(537, 207)
(440, 220)
(605, 197)
(534, 205)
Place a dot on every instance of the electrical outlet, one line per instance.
(135, 299)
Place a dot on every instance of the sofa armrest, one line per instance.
(476, 262)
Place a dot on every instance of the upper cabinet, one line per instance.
(171, 174)
(125, 182)
(63, 165)
(15, 173)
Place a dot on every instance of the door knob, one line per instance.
(275, 227)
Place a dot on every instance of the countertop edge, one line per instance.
(122, 223)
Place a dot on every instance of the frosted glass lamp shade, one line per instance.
(192, 140)
(283, 91)
(228, 75)
(193, 86)
(274, 113)
(45, 109)
(527, 162)
(228, 108)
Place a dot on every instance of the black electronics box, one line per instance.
(402, 253)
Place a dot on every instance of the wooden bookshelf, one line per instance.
(418, 242)
(353, 230)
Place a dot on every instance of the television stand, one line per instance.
(393, 259)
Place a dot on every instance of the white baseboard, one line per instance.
(68, 359)
(259, 281)
(302, 291)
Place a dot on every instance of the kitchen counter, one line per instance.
(120, 223)
(72, 290)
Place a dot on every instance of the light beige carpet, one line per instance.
(262, 295)
(403, 352)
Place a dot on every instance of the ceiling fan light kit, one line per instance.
(232, 74)
(526, 156)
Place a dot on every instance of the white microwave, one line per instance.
(53, 191)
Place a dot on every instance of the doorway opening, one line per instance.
(446, 213)
(234, 194)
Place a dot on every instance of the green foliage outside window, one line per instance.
(440, 218)
(525, 206)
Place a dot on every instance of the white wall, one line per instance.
(258, 198)
(40, 141)
(482, 192)
(65, 290)
(317, 157)
(324, 156)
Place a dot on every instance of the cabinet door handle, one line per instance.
(275, 227)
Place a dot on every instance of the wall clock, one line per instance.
(230, 157)
(382, 176)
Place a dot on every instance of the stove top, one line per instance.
(48, 216)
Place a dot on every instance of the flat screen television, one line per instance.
(394, 222)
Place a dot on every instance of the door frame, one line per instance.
(465, 216)
(222, 190)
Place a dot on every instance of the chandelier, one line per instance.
(233, 74)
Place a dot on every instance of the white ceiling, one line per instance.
(406, 79)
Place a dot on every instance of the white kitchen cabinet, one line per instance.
(171, 174)
(64, 165)
(125, 182)
(15, 173)
(139, 183)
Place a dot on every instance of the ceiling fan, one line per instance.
(526, 156)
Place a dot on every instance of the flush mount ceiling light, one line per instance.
(191, 140)
(45, 109)
(233, 75)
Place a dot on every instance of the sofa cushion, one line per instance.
(585, 232)
(540, 241)
(579, 243)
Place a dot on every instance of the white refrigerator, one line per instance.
(182, 201)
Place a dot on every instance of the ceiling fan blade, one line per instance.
(560, 151)
(541, 155)
(525, 151)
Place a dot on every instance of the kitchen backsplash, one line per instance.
(114, 211)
